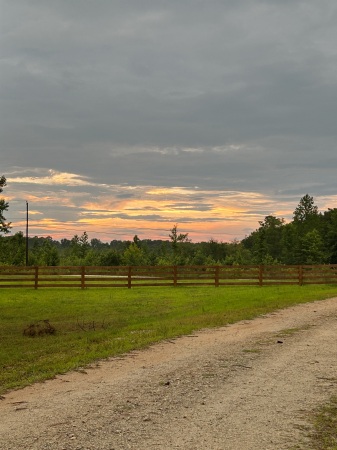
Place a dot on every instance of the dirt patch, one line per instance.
(246, 386)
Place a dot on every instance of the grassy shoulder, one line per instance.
(98, 323)
(323, 435)
(324, 421)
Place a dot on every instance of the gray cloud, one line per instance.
(232, 96)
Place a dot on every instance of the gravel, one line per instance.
(251, 385)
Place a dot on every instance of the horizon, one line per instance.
(60, 231)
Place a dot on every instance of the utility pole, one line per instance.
(26, 233)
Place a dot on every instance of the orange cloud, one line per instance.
(64, 204)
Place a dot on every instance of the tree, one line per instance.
(265, 242)
(290, 245)
(44, 252)
(176, 238)
(306, 220)
(110, 257)
(134, 256)
(312, 248)
(177, 242)
(237, 254)
(97, 244)
(4, 227)
(215, 250)
(271, 232)
(80, 245)
(306, 209)
(137, 241)
(12, 249)
(329, 234)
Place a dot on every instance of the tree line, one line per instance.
(309, 238)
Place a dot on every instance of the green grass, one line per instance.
(324, 421)
(97, 323)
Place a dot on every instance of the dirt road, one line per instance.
(245, 386)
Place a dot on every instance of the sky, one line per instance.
(125, 117)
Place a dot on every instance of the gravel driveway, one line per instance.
(246, 386)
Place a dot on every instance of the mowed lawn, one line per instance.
(97, 323)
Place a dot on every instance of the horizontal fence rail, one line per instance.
(136, 276)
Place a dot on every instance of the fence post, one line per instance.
(129, 277)
(300, 275)
(36, 277)
(175, 275)
(260, 275)
(82, 277)
(216, 278)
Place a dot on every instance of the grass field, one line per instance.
(98, 323)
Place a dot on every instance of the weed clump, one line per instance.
(40, 328)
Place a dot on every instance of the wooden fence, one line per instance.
(135, 276)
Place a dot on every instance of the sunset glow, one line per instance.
(120, 212)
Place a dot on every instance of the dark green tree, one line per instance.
(178, 245)
(306, 219)
(290, 247)
(265, 242)
(4, 226)
(12, 249)
(306, 210)
(134, 256)
(110, 257)
(177, 238)
(137, 241)
(214, 250)
(44, 252)
(312, 248)
(97, 244)
(80, 245)
(329, 234)
(237, 254)
(306, 216)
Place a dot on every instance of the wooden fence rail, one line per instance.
(135, 276)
